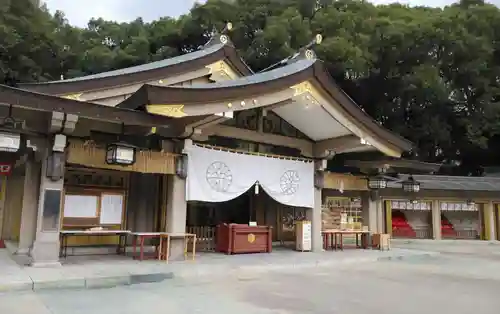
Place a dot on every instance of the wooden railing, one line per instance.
(415, 233)
(205, 237)
(462, 234)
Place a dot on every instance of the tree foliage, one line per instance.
(429, 74)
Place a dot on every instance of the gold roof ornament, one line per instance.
(319, 39)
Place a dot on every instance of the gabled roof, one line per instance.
(215, 51)
(281, 78)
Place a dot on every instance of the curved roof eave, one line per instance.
(348, 104)
(226, 90)
(265, 82)
(145, 72)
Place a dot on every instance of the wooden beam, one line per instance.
(304, 146)
(338, 145)
(41, 102)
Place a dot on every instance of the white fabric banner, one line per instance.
(219, 176)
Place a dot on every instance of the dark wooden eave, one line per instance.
(396, 165)
(144, 73)
(451, 183)
(41, 102)
(262, 83)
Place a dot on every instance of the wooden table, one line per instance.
(336, 238)
(65, 234)
(141, 236)
(164, 251)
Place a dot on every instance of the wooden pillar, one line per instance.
(260, 211)
(497, 221)
(163, 204)
(436, 220)
(488, 221)
(388, 217)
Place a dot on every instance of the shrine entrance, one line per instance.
(248, 208)
(236, 187)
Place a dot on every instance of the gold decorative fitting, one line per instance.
(309, 54)
(73, 96)
(174, 111)
(224, 39)
(221, 69)
(229, 105)
(251, 238)
(302, 88)
(229, 26)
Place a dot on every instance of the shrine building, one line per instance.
(186, 143)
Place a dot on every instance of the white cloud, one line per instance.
(80, 12)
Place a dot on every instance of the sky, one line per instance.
(79, 13)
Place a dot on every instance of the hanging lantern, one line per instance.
(10, 142)
(410, 185)
(120, 154)
(377, 182)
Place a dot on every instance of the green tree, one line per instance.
(28, 49)
(429, 74)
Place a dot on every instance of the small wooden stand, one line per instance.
(165, 240)
(381, 241)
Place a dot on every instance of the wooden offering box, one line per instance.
(236, 239)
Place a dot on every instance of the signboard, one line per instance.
(409, 205)
(5, 169)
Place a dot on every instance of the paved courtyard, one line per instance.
(434, 284)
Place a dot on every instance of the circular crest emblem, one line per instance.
(219, 176)
(251, 238)
(224, 39)
(309, 54)
(289, 182)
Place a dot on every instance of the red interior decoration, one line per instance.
(447, 229)
(400, 226)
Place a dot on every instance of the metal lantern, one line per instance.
(411, 185)
(10, 142)
(120, 154)
(377, 182)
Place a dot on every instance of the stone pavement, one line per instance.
(110, 271)
(474, 247)
(402, 286)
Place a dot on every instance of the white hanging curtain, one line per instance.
(219, 176)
